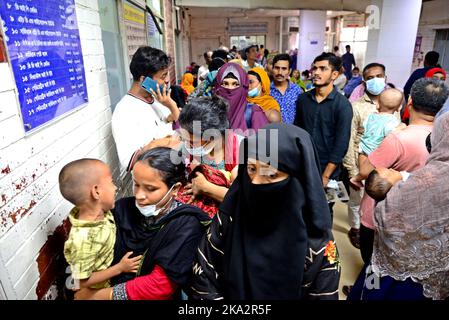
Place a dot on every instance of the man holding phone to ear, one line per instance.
(147, 111)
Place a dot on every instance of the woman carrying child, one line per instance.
(153, 224)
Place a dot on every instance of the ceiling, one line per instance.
(334, 5)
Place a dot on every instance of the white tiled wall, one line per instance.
(31, 206)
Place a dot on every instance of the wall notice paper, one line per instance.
(44, 48)
(336, 191)
(134, 18)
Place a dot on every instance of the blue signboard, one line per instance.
(45, 52)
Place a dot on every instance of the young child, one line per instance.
(89, 249)
(378, 125)
(381, 180)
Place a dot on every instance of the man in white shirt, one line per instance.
(141, 117)
(204, 69)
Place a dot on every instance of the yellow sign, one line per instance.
(133, 14)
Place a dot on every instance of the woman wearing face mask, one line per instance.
(211, 152)
(272, 237)
(232, 85)
(158, 227)
(259, 94)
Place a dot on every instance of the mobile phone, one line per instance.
(149, 83)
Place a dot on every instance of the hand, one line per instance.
(197, 187)
(325, 181)
(164, 97)
(356, 184)
(129, 264)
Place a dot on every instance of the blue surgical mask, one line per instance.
(198, 151)
(150, 210)
(253, 92)
(375, 86)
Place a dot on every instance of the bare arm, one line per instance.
(126, 264)
(100, 276)
(216, 192)
(365, 167)
(330, 168)
(350, 160)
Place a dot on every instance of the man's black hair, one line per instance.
(333, 60)
(147, 61)
(220, 53)
(283, 57)
(429, 95)
(373, 65)
(431, 58)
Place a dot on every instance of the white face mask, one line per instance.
(150, 210)
(375, 86)
(199, 151)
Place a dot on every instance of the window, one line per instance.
(113, 50)
(155, 27)
(442, 47)
(357, 38)
(134, 20)
(155, 6)
(241, 42)
(155, 24)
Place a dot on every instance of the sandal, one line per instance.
(354, 237)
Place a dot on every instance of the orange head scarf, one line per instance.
(265, 101)
(187, 83)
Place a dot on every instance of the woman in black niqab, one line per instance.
(272, 239)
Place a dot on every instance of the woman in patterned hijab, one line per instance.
(411, 245)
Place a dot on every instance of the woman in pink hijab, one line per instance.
(232, 85)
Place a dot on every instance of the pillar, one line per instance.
(312, 30)
(393, 25)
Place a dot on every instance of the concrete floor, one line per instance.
(351, 261)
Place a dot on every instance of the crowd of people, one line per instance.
(230, 171)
